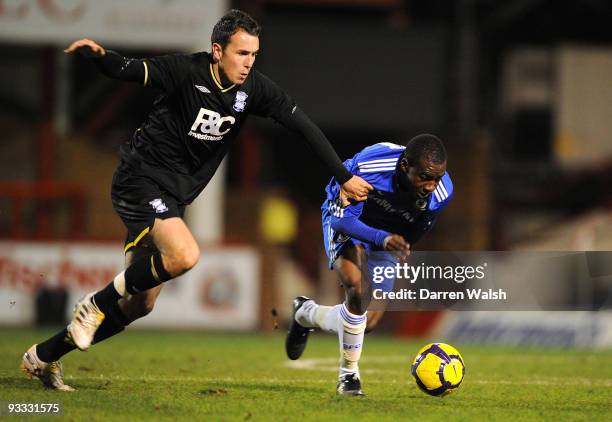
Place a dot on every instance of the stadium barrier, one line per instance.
(221, 292)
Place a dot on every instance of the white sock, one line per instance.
(351, 340)
(327, 318)
(119, 284)
(304, 315)
(337, 319)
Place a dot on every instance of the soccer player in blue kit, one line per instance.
(411, 187)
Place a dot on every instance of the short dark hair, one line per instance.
(425, 147)
(232, 22)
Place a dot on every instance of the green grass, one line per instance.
(142, 375)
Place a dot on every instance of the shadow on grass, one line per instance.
(20, 383)
(218, 389)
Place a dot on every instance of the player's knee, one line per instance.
(181, 261)
(357, 292)
(352, 285)
(190, 257)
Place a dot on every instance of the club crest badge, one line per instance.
(421, 204)
(158, 205)
(240, 101)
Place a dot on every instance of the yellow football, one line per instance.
(438, 369)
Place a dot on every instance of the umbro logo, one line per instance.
(202, 89)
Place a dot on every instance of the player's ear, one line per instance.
(217, 51)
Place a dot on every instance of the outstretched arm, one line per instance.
(352, 187)
(111, 63)
(346, 221)
(355, 228)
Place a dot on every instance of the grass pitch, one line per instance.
(142, 375)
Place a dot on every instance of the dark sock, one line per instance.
(55, 347)
(106, 297)
(106, 330)
(58, 345)
(138, 277)
(145, 274)
(114, 323)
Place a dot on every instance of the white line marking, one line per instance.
(331, 365)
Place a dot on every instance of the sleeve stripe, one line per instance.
(376, 166)
(383, 164)
(443, 188)
(146, 77)
(442, 196)
(437, 195)
(382, 160)
(374, 170)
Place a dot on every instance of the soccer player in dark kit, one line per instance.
(205, 99)
(411, 187)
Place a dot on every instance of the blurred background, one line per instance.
(519, 91)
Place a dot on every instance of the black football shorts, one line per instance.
(139, 201)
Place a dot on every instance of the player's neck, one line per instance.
(220, 77)
(398, 187)
(405, 191)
